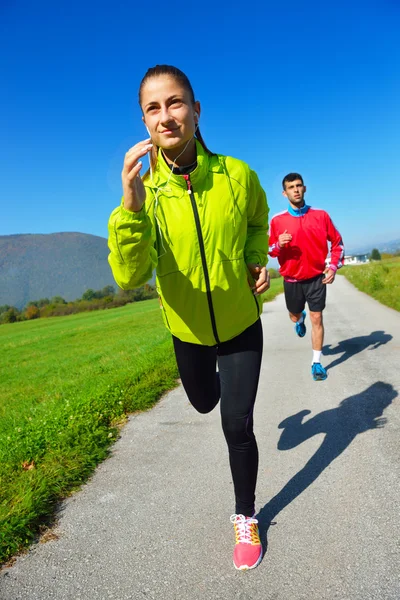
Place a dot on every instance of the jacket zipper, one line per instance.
(203, 256)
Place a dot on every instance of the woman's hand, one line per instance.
(261, 278)
(132, 184)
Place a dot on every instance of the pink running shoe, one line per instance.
(248, 550)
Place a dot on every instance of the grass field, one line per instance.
(275, 289)
(380, 279)
(66, 384)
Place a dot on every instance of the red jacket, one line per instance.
(304, 256)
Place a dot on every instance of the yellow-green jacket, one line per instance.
(199, 231)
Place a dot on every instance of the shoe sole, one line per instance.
(320, 378)
(246, 568)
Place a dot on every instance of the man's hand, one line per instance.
(284, 238)
(261, 278)
(329, 276)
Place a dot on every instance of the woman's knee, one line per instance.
(204, 404)
(238, 430)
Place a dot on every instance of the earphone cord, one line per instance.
(164, 187)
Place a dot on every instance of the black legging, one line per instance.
(239, 362)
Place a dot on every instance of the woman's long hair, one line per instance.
(184, 81)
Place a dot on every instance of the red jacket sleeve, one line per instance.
(274, 247)
(337, 247)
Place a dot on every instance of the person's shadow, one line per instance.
(352, 346)
(341, 425)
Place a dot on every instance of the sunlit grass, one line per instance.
(276, 288)
(65, 384)
(379, 279)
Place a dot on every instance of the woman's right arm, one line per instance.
(133, 256)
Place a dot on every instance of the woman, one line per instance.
(201, 220)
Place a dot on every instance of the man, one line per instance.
(298, 238)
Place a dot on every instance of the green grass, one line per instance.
(275, 289)
(65, 385)
(380, 279)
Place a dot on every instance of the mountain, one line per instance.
(390, 247)
(35, 266)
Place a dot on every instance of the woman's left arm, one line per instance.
(256, 246)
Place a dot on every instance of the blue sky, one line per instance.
(312, 87)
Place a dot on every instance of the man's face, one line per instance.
(294, 192)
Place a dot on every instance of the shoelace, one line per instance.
(246, 532)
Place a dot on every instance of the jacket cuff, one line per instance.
(129, 215)
(333, 268)
(256, 260)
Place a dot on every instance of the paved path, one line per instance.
(153, 522)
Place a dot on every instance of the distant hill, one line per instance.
(390, 247)
(35, 266)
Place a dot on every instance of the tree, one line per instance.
(32, 312)
(89, 295)
(39, 303)
(11, 315)
(375, 254)
(108, 290)
(58, 300)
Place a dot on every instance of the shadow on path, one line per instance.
(355, 345)
(341, 425)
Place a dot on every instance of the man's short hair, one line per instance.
(291, 177)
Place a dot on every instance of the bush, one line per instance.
(10, 316)
(32, 312)
(274, 274)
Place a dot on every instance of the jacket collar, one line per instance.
(162, 172)
(298, 212)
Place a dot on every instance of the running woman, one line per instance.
(200, 219)
(299, 239)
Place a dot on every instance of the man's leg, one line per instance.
(295, 303)
(296, 317)
(317, 332)
(316, 297)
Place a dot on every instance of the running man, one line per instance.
(299, 239)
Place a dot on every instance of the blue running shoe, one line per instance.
(318, 372)
(300, 328)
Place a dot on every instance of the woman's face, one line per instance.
(168, 112)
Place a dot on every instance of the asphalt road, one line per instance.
(153, 522)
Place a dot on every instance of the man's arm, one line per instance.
(277, 242)
(337, 251)
(337, 246)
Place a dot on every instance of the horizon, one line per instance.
(361, 248)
